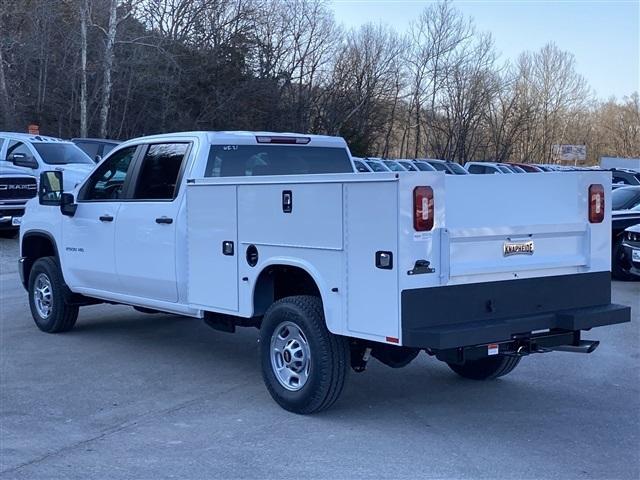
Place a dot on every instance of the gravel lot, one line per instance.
(129, 395)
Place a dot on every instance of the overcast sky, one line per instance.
(603, 35)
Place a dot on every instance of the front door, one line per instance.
(148, 225)
(88, 237)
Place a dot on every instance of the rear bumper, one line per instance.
(473, 314)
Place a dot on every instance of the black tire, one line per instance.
(620, 264)
(12, 233)
(328, 355)
(61, 316)
(486, 368)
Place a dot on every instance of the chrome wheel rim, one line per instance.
(290, 356)
(42, 295)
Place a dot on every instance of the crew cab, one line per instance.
(16, 188)
(34, 154)
(278, 232)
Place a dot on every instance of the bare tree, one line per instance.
(110, 34)
(84, 21)
(434, 38)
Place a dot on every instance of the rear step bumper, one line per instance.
(475, 314)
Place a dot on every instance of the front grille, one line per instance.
(17, 188)
(17, 212)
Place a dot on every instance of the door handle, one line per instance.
(165, 220)
(106, 218)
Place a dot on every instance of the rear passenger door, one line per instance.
(148, 224)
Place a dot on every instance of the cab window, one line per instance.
(160, 171)
(19, 148)
(108, 181)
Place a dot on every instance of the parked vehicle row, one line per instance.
(372, 164)
(375, 164)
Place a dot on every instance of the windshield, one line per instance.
(621, 197)
(394, 166)
(408, 166)
(360, 166)
(439, 166)
(457, 169)
(504, 169)
(377, 167)
(425, 167)
(61, 153)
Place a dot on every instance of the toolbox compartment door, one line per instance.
(212, 220)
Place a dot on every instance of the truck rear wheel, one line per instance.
(303, 364)
(486, 368)
(49, 308)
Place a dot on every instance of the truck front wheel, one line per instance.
(303, 364)
(49, 308)
(486, 368)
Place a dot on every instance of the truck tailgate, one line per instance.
(506, 226)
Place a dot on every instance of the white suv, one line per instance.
(36, 153)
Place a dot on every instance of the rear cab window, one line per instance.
(259, 160)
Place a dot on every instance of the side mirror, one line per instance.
(50, 188)
(22, 160)
(68, 206)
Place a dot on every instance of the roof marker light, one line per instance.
(283, 140)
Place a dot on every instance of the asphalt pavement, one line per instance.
(130, 395)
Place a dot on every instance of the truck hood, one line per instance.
(73, 174)
(9, 170)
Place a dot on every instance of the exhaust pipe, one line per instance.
(583, 346)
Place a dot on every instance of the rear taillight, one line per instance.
(596, 203)
(422, 209)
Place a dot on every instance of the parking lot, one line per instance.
(129, 395)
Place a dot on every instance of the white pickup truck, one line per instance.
(276, 231)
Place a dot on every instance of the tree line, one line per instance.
(125, 68)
